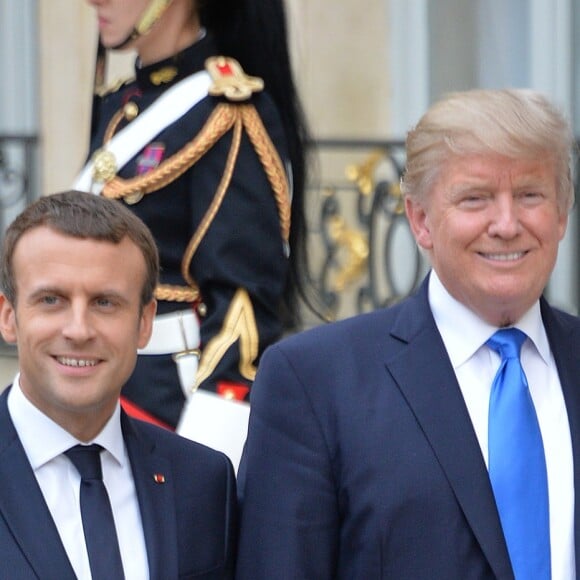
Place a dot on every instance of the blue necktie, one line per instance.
(97, 515)
(517, 466)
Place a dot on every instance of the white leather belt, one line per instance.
(177, 334)
(173, 333)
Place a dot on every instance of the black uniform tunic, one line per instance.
(243, 247)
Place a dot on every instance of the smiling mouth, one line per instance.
(503, 257)
(76, 362)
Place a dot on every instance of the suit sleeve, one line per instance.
(289, 515)
(231, 521)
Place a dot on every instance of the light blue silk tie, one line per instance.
(517, 466)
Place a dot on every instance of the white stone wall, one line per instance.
(67, 43)
(340, 56)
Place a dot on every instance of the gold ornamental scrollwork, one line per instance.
(363, 174)
(355, 246)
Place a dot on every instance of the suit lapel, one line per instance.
(156, 495)
(23, 507)
(423, 371)
(564, 337)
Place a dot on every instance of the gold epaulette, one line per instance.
(230, 80)
(113, 87)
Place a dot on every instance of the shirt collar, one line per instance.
(43, 439)
(452, 318)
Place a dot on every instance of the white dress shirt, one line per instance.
(475, 366)
(45, 443)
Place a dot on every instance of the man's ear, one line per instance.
(419, 223)
(7, 320)
(146, 323)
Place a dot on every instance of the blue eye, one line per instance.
(50, 300)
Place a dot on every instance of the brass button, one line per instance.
(133, 198)
(130, 110)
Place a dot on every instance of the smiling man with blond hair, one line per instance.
(435, 438)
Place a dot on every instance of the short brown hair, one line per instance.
(84, 216)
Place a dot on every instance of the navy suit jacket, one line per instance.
(361, 459)
(189, 521)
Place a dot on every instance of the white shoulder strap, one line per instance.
(167, 109)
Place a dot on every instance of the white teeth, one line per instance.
(504, 257)
(76, 362)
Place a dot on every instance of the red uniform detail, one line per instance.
(225, 69)
(134, 411)
(235, 391)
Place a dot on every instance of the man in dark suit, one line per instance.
(368, 453)
(78, 273)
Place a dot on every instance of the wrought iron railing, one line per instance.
(19, 177)
(362, 251)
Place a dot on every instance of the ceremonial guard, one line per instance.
(206, 146)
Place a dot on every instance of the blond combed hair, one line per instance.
(515, 123)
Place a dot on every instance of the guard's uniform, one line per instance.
(229, 264)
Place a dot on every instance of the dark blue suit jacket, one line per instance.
(189, 521)
(361, 459)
